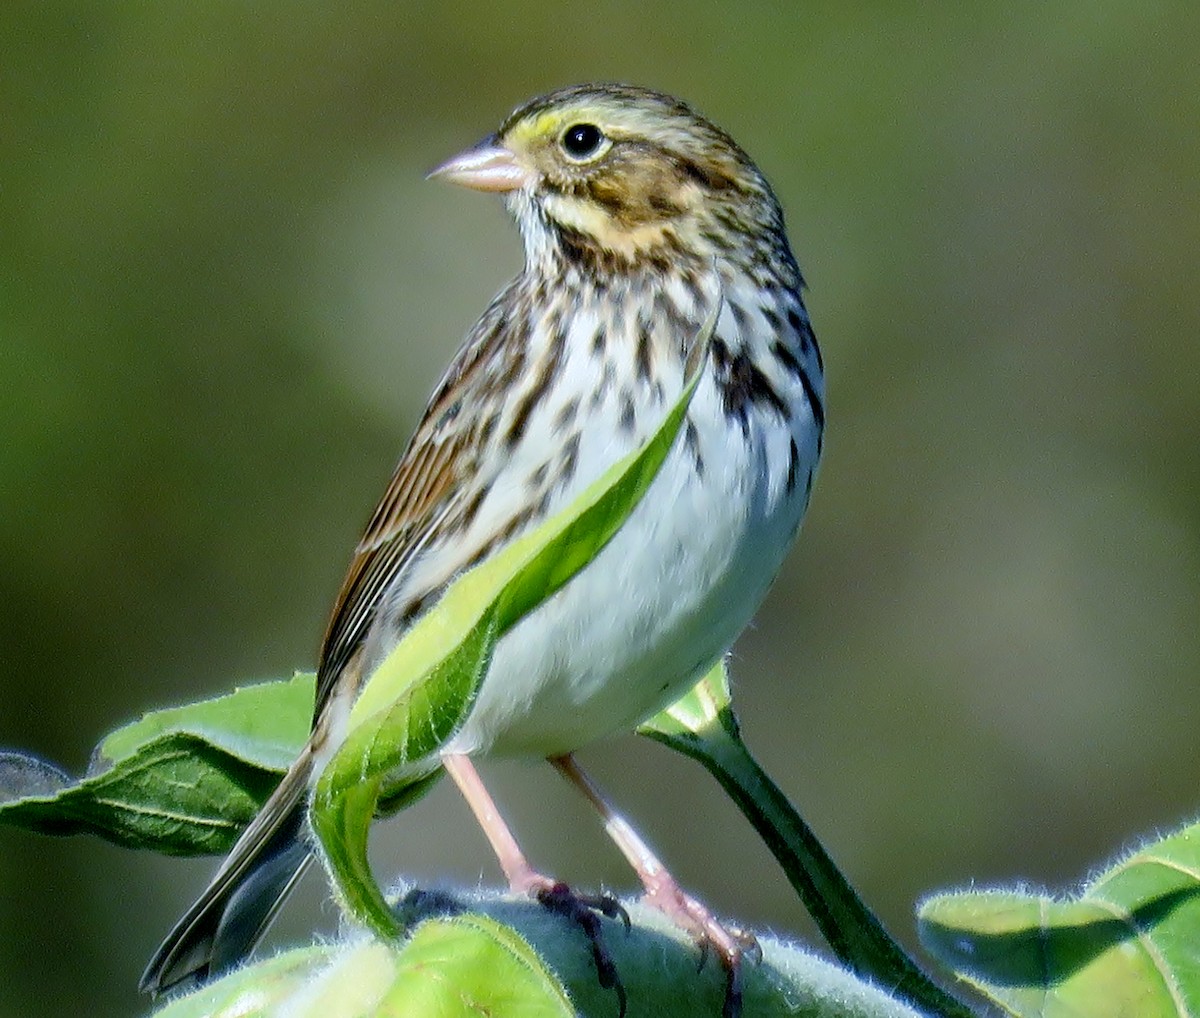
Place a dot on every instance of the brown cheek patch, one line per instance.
(708, 175)
(610, 195)
(638, 192)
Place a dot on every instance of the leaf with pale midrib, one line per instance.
(1126, 944)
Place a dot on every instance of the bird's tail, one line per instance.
(236, 908)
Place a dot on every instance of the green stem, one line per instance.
(855, 935)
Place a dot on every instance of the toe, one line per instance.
(586, 911)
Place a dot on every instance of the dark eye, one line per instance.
(580, 141)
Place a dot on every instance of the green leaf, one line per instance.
(1125, 945)
(182, 781)
(472, 965)
(462, 967)
(256, 991)
(265, 724)
(702, 725)
(705, 705)
(419, 721)
(513, 959)
(418, 697)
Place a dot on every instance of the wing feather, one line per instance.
(434, 475)
(418, 497)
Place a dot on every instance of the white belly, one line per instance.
(661, 602)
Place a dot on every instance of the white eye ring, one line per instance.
(582, 142)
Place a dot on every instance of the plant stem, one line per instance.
(855, 935)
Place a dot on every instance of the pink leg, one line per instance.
(664, 893)
(583, 910)
(522, 878)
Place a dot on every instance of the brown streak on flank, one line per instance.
(793, 366)
(816, 406)
(617, 317)
(808, 342)
(535, 395)
(804, 330)
(668, 314)
(774, 322)
(787, 359)
(745, 385)
(566, 416)
(721, 241)
(538, 477)
(471, 509)
(601, 390)
(643, 354)
(628, 418)
(691, 283)
(570, 460)
(479, 556)
(691, 439)
(411, 610)
(513, 526)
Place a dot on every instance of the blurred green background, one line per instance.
(225, 290)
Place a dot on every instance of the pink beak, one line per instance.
(488, 166)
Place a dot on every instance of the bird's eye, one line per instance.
(582, 141)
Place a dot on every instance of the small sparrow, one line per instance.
(639, 218)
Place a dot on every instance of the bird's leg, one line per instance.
(557, 897)
(664, 893)
(522, 878)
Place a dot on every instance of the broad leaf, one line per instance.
(264, 725)
(182, 781)
(1125, 945)
(510, 959)
(460, 967)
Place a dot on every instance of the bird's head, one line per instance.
(621, 175)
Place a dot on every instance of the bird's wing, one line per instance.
(433, 477)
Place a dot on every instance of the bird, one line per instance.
(639, 219)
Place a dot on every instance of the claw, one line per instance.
(751, 948)
(607, 905)
(732, 946)
(585, 910)
(731, 1006)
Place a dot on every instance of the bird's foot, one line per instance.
(731, 945)
(584, 910)
(420, 903)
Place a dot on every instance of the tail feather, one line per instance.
(236, 908)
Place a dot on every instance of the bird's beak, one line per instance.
(488, 166)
